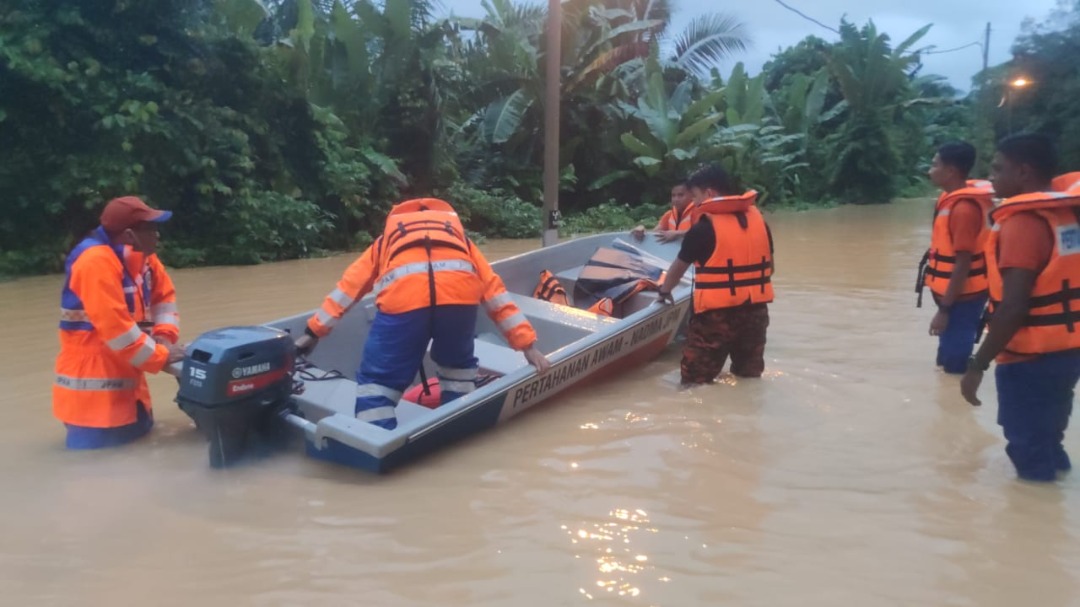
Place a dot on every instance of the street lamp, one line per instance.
(550, 214)
(1018, 83)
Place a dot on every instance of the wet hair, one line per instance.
(713, 177)
(958, 154)
(682, 183)
(1033, 149)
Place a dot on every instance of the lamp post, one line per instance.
(550, 214)
(1016, 84)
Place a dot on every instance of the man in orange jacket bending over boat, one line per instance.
(118, 319)
(429, 279)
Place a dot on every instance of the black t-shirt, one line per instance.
(700, 241)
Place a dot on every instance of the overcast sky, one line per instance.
(956, 22)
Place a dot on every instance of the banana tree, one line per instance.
(670, 128)
(875, 82)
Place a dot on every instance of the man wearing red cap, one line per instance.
(118, 319)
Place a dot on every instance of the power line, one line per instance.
(952, 50)
(807, 17)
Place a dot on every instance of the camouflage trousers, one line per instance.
(716, 334)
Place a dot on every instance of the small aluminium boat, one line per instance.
(238, 377)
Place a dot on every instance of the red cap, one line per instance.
(128, 212)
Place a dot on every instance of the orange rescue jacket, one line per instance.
(1054, 312)
(940, 259)
(423, 258)
(103, 351)
(741, 266)
(674, 220)
(550, 289)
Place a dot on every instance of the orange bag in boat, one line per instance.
(604, 307)
(430, 399)
(549, 289)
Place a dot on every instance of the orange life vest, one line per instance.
(1066, 183)
(1053, 322)
(940, 259)
(739, 271)
(103, 351)
(674, 220)
(550, 289)
(424, 258)
(423, 238)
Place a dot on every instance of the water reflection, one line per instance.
(617, 562)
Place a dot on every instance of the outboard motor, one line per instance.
(234, 381)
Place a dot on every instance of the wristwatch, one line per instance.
(973, 365)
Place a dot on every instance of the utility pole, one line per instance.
(986, 49)
(549, 220)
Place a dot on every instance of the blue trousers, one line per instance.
(1034, 403)
(395, 350)
(957, 343)
(82, 437)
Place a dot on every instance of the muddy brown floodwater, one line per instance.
(852, 474)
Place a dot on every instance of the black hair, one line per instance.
(1033, 149)
(958, 154)
(714, 177)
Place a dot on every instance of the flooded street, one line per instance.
(852, 474)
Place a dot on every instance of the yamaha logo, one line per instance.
(239, 372)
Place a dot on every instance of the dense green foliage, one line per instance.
(283, 128)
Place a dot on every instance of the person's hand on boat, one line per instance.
(537, 359)
(668, 236)
(176, 353)
(305, 343)
(638, 232)
(665, 297)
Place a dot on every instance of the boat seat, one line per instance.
(568, 278)
(557, 313)
(339, 396)
(498, 358)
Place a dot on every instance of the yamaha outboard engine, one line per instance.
(234, 381)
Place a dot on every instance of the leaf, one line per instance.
(646, 161)
(638, 146)
(504, 117)
(350, 34)
(815, 99)
(680, 99)
(696, 131)
(399, 16)
(609, 179)
(242, 16)
(681, 154)
(305, 24)
(911, 40)
(836, 111)
(708, 40)
(706, 104)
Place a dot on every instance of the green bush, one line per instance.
(494, 214)
(611, 217)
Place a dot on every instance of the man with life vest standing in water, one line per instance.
(731, 248)
(954, 267)
(118, 320)
(1033, 262)
(429, 279)
(673, 224)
